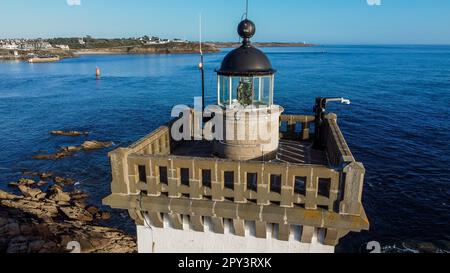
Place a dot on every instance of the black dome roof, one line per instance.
(246, 60)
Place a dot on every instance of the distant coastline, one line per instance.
(261, 44)
(63, 48)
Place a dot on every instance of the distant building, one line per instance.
(81, 41)
(41, 45)
(63, 47)
(8, 44)
(25, 44)
(179, 41)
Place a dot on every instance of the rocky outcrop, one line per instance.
(70, 150)
(94, 145)
(41, 175)
(38, 221)
(32, 193)
(77, 213)
(55, 156)
(69, 133)
(22, 233)
(169, 48)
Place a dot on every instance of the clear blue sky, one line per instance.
(316, 21)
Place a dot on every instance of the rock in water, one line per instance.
(42, 176)
(26, 182)
(106, 216)
(93, 145)
(70, 149)
(69, 133)
(45, 175)
(58, 179)
(93, 210)
(58, 155)
(42, 183)
(78, 195)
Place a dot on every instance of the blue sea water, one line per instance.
(397, 124)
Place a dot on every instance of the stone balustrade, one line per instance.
(151, 182)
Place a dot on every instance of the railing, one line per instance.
(283, 184)
(158, 142)
(253, 191)
(336, 147)
(291, 122)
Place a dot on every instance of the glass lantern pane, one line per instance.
(263, 96)
(245, 91)
(224, 90)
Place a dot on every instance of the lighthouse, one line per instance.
(246, 94)
(268, 184)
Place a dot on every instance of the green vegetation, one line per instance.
(91, 43)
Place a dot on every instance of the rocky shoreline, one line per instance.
(169, 48)
(261, 44)
(44, 218)
(44, 213)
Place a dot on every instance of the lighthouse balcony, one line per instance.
(160, 180)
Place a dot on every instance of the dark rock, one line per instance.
(56, 156)
(61, 180)
(58, 179)
(68, 133)
(30, 173)
(92, 210)
(106, 216)
(13, 229)
(45, 175)
(35, 246)
(26, 229)
(26, 182)
(70, 149)
(78, 195)
(427, 247)
(18, 245)
(41, 183)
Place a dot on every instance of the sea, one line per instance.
(397, 125)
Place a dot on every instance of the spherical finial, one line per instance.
(246, 29)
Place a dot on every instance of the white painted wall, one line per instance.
(169, 240)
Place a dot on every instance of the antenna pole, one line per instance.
(201, 66)
(246, 9)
